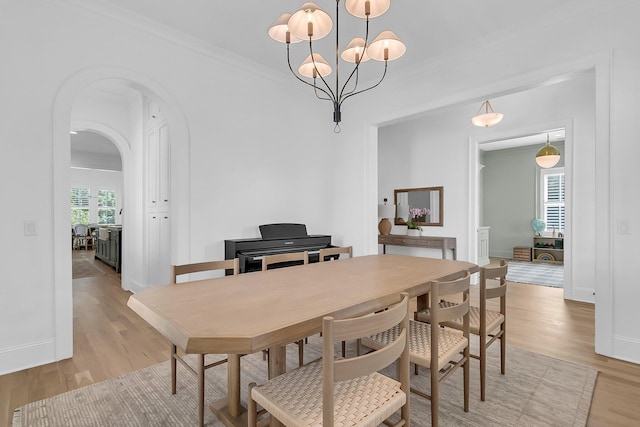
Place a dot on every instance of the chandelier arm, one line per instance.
(316, 88)
(357, 67)
(342, 99)
(355, 86)
(329, 92)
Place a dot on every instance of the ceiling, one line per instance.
(428, 28)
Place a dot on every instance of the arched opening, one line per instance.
(73, 110)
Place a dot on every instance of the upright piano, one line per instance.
(276, 239)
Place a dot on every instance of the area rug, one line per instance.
(535, 391)
(84, 268)
(536, 273)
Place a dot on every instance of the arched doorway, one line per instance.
(63, 118)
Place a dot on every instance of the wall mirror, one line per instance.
(423, 206)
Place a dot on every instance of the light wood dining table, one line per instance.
(248, 313)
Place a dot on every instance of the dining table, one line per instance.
(251, 312)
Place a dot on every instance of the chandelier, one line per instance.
(310, 23)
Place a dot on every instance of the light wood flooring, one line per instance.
(110, 340)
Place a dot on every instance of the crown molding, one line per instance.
(164, 32)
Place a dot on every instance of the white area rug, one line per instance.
(536, 273)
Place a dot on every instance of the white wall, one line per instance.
(258, 149)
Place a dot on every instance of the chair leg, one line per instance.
(252, 408)
(435, 395)
(344, 349)
(201, 390)
(173, 368)
(466, 379)
(300, 353)
(483, 366)
(503, 350)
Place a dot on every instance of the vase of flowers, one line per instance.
(416, 216)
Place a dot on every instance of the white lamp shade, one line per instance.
(486, 120)
(278, 30)
(386, 47)
(547, 161)
(376, 7)
(310, 16)
(386, 211)
(355, 50)
(308, 67)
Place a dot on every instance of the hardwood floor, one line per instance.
(110, 340)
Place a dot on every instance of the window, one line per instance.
(79, 206)
(553, 197)
(106, 207)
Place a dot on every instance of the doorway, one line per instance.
(523, 206)
(72, 110)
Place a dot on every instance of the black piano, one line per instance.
(276, 239)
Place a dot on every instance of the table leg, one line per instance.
(201, 389)
(230, 410)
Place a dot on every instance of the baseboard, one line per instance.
(626, 348)
(500, 254)
(27, 356)
(134, 286)
(582, 295)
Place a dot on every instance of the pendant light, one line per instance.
(548, 156)
(488, 118)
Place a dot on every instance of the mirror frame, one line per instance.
(400, 221)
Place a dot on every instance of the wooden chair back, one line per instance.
(332, 254)
(228, 264)
(290, 257)
(494, 273)
(335, 370)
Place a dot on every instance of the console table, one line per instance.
(443, 243)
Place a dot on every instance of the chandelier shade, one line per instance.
(386, 47)
(548, 156)
(310, 22)
(488, 118)
(355, 51)
(367, 8)
(315, 67)
(279, 30)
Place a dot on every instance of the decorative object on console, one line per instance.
(538, 225)
(312, 23)
(548, 156)
(488, 118)
(385, 212)
(417, 216)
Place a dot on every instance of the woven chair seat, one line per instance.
(494, 318)
(450, 343)
(295, 398)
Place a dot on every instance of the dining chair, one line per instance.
(331, 390)
(233, 265)
(488, 325)
(284, 260)
(81, 236)
(432, 345)
(333, 254)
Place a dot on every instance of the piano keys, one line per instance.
(276, 239)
